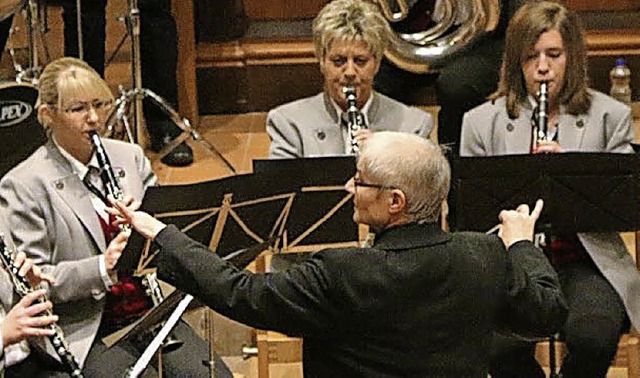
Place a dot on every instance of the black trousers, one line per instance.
(36, 365)
(186, 361)
(158, 51)
(596, 320)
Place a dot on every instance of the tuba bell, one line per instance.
(428, 32)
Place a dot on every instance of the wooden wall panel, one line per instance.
(256, 74)
(255, 88)
(282, 9)
(602, 5)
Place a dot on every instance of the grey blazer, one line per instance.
(311, 126)
(51, 218)
(8, 298)
(607, 127)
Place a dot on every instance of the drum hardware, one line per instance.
(130, 101)
(33, 17)
(79, 29)
(120, 115)
(20, 131)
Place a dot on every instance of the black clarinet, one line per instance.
(540, 120)
(22, 288)
(106, 170)
(113, 188)
(355, 118)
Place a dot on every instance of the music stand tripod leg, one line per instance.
(185, 126)
(552, 357)
(158, 340)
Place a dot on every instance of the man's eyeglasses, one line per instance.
(357, 182)
(83, 107)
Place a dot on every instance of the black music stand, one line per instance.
(303, 207)
(583, 192)
(321, 205)
(170, 310)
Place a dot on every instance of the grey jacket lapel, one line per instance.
(373, 114)
(73, 192)
(517, 133)
(571, 131)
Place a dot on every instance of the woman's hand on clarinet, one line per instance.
(362, 135)
(519, 224)
(547, 147)
(142, 222)
(28, 269)
(114, 251)
(25, 319)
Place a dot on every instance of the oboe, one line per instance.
(22, 288)
(355, 118)
(113, 188)
(540, 118)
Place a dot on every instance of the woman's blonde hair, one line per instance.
(351, 20)
(67, 78)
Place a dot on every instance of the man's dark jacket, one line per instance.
(422, 303)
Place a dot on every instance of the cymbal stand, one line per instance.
(130, 102)
(31, 73)
(79, 29)
(121, 111)
(133, 28)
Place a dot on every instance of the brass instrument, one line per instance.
(394, 10)
(113, 188)
(22, 288)
(458, 24)
(540, 119)
(355, 118)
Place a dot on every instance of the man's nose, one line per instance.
(350, 186)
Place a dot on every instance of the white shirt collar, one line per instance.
(76, 166)
(364, 110)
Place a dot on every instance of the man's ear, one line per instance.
(397, 201)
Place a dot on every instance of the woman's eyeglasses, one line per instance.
(83, 107)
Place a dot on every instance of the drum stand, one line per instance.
(130, 101)
(33, 70)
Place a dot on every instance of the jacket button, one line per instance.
(580, 123)
(97, 294)
(59, 185)
(510, 127)
(321, 134)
